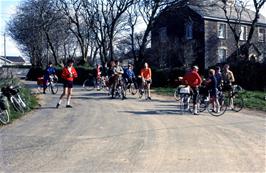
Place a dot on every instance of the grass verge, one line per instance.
(252, 99)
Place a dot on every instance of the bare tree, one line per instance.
(234, 12)
(77, 25)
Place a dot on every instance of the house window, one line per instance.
(261, 35)
(189, 30)
(243, 33)
(222, 55)
(221, 30)
(163, 34)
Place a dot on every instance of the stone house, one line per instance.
(189, 35)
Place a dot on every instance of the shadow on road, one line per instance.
(46, 107)
(159, 112)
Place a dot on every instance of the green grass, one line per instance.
(252, 99)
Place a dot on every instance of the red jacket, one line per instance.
(66, 74)
(192, 79)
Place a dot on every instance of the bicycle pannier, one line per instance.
(184, 90)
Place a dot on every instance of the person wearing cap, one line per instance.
(48, 74)
(69, 73)
(193, 79)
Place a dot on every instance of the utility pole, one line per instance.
(5, 47)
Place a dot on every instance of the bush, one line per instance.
(250, 75)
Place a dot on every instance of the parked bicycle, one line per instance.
(51, 85)
(4, 114)
(91, 83)
(13, 95)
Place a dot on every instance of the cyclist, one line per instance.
(129, 75)
(218, 76)
(48, 74)
(145, 74)
(98, 75)
(193, 79)
(228, 79)
(117, 76)
(69, 73)
(213, 88)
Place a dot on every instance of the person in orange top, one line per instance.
(68, 75)
(145, 74)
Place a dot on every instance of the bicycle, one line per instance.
(144, 90)
(120, 91)
(92, 83)
(51, 84)
(184, 93)
(12, 93)
(176, 92)
(131, 86)
(4, 114)
(234, 99)
(204, 103)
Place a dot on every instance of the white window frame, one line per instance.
(223, 36)
(243, 33)
(189, 30)
(263, 34)
(223, 59)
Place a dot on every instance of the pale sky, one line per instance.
(7, 9)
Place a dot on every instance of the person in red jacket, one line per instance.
(193, 79)
(69, 73)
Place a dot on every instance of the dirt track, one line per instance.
(104, 135)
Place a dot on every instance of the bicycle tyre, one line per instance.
(238, 102)
(16, 104)
(89, 84)
(4, 116)
(21, 102)
(223, 108)
(54, 87)
(202, 104)
(132, 89)
(176, 94)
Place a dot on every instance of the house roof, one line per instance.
(5, 60)
(14, 59)
(216, 13)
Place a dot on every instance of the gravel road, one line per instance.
(100, 134)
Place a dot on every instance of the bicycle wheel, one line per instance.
(16, 104)
(4, 116)
(238, 102)
(202, 103)
(21, 102)
(176, 94)
(54, 87)
(215, 110)
(132, 89)
(89, 84)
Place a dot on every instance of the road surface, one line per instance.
(110, 135)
